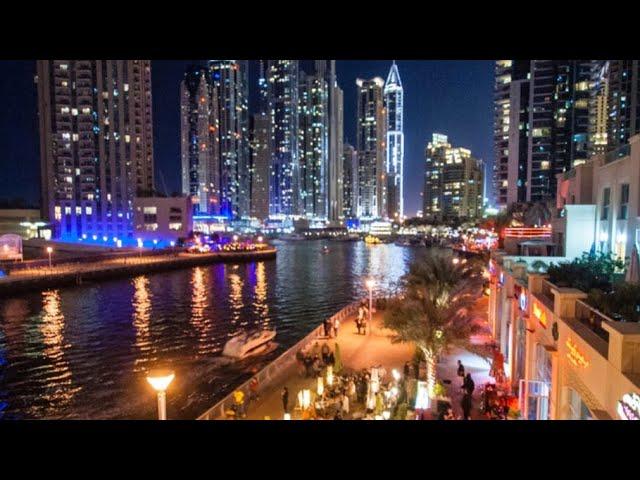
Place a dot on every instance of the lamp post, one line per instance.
(140, 247)
(370, 284)
(49, 250)
(160, 380)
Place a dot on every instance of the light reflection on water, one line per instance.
(82, 352)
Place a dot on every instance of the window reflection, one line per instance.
(141, 317)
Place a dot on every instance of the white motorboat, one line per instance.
(247, 344)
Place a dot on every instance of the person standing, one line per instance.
(360, 318)
(336, 325)
(345, 404)
(285, 399)
(461, 371)
(469, 385)
(466, 406)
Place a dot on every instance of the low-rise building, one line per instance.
(563, 358)
(162, 219)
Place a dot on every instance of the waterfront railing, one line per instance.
(270, 374)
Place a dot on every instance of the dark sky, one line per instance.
(450, 97)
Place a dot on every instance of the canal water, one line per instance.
(82, 352)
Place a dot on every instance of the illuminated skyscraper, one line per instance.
(260, 151)
(453, 181)
(199, 141)
(313, 145)
(349, 180)
(96, 144)
(230, 86)
(598, 97)
(393, 102)
(284, 184)
(371, 186)
(623, 103)
(327, 69)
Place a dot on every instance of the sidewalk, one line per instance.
(478, 367)
(357, 352)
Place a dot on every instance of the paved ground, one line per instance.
(473, 364)
(357, 352)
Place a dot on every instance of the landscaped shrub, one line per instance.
(623, 303)
(590, 271)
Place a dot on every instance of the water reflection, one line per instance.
(141, 318)
(200, 316)
(60, 390)
(235, 298)
(260, 306)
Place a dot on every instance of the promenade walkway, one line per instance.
(357, 352)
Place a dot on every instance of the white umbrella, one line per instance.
(633, 272)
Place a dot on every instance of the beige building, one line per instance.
(163, 219)
(611, 183)
(563, 359)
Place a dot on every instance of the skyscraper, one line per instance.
(284, 184)
(623, 102)
(559, 121)
(230, 85)
(453, 181)
(393, 101)
(199, 141)
(349, 180)
(598, 108)
(96, 144)
(313, 145)
(260, 151)
(327, 69)
(371, 187)
(542, 106)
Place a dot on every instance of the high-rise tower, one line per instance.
(96, 144)
(393, 102)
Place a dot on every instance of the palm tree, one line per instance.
(434, 305)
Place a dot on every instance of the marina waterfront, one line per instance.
(82, 352)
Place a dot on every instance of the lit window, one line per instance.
(74, 111)
(88, 210)
(175, 226)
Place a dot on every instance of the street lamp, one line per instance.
(370, 284)
(49, 250)
(140, 246)
(160, 380)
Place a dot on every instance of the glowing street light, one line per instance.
(160, 380)
(260, 239)
(235, 238)
(49, 250)
(140, 246)
(370, 284)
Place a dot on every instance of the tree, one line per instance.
(433, 307)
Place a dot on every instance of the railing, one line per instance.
(278, 367)
(592, 318)
(612, 156)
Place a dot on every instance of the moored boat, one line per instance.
(247, 344)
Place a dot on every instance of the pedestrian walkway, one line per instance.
(477, 366)
(357, 352)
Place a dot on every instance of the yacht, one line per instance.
(246, 344)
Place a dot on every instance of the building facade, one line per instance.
(349, 181)
(598, 107)
(199, 141)
(371, 133)
(453, 185)
(260, 161)
(394, 166)
(160, 220)
(623, 105)
(284, 185)
(313, 146)
(231, 88)
(96, 144)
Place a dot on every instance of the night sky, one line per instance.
(450, 97)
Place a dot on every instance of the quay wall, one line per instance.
(76, 274)
(272, 373)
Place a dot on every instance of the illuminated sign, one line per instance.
(523, 301)
(527, 232)
(540, 315)
(575, 356)
(629, 407)
(422, 397)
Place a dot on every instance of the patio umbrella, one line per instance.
(633, 271)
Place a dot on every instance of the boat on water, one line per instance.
(371, 240)
(293, 236)
(249, 343)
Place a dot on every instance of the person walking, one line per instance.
(238, 397)
(461, 371)
(469, 385)
(285, 399)
(336, 325)
(360, 318)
